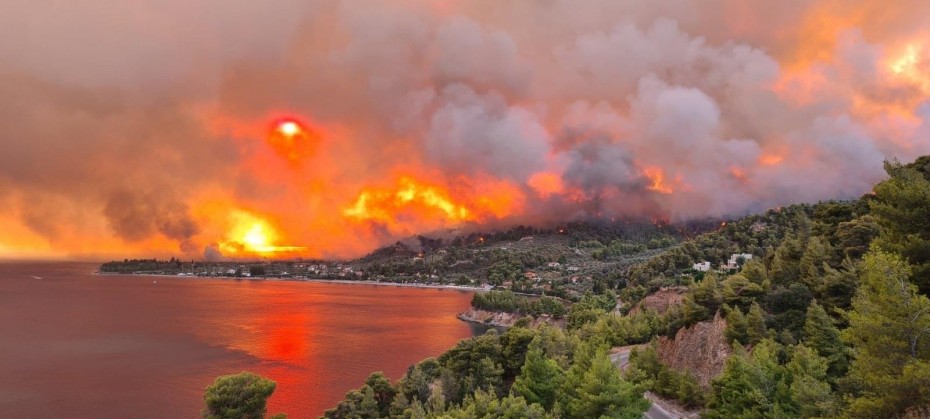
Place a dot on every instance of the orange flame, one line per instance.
(655, 174)
(382, 204)
(250, 234)
(546, 184)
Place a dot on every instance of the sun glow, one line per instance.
(289, 128)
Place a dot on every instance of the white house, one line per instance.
(554, 264)
(701, 267)
(733, 263)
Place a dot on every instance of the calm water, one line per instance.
(78, 345)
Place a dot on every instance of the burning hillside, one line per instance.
(328, 128)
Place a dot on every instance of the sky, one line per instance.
(239, 129)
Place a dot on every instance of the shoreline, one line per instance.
(334, 281)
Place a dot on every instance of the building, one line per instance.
(738, 258)
(701, 267)
(554, 264)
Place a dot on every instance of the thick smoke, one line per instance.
(145, 125)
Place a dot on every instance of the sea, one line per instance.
(75, 344)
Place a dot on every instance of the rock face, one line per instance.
(701, 350)
(502, 319)
(661, 300)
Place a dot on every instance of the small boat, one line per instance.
(154, 282)
(35, 277)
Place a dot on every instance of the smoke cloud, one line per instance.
(149, 128)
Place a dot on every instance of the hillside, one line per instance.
(828, 317)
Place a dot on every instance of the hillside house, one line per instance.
(701, 267)
(737, 258)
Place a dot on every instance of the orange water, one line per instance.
(78, 345)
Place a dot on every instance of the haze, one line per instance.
(232, 129)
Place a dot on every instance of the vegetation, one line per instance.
(238, 396)
(541, 373)
(507, 301)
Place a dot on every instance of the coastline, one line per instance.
(334, 281)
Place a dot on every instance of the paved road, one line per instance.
(621, 359)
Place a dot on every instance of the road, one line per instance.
(621, 358)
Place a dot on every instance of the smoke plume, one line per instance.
(153, 128)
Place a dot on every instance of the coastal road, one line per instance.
(621, 358)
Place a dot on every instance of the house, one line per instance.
(554, 264)
(701, 267)
(526, 238)
(738, 258)
(530, 275)
(573, 268)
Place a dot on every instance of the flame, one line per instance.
(412, 205)
(546, 184)
(657, 177)
(383, 204)
(250, 234)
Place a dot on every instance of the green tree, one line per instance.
(740, 291)
(736, 326)
(889, 328)
(752, 386)
(755, 325)
(809, 388)
(817, 253)
(599, 390)
(237, 396)
(382, 391)
(821, 335)
(901, 206)
(540, 378)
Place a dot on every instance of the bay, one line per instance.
(79, 345)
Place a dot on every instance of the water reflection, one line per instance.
(74, 339)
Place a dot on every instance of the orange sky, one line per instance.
(231, 129)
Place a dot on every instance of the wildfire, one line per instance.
(253, 235)
(383, 204)
(657, 177)
(546, 184)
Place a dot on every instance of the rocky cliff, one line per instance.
(701, 350)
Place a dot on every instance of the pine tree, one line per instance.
(902, 207)
(822, 336)
(755, 325)
(602, 392)
(889, 328)
(811, 265)
(809, 389)
(540, 378)
(736, 326)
